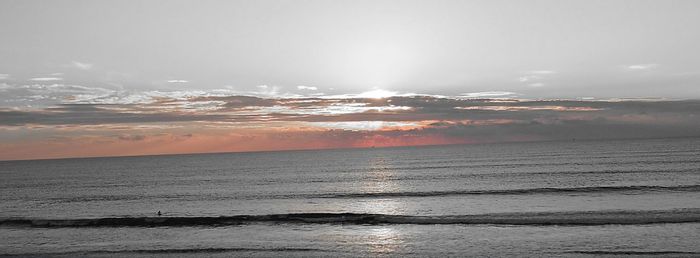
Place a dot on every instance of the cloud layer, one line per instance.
(86, 121)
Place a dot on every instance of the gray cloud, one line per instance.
(302, 87)
(131, 137)
(540, 119)
(240, 101)
(43, 95)
(82, 66)
(599, 128)
(88, 114)
(638, 67)
(489, 94)
(46, 79)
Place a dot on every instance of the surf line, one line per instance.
(573, 218)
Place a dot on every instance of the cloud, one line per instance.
(239, 101)
(523, 108)
(359, 113)
(374, 94)
(245, 123)
(488, 94)
(266, 91)
(302, 87)
(542, 72)
(82, 66)
(131, 137)
(563, 129)
(87, 114)
(535, 78)
(46, 79)
(527, 78)
(364, 125)
(39, 94)
(177, 81)
(641, 67)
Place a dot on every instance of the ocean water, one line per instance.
(576, 198)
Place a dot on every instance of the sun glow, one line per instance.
(377, 94)
(382, 61)
(379, 60)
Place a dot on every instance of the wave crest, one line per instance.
(574, 218)
(544, 190)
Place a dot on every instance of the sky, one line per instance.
(110, 78)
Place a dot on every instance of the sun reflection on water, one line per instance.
(383, 240)
(380, 179)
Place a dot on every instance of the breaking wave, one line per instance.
(635, 252)
(574, 218)
(679, 188)
(169, 251)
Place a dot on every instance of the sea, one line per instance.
(529, 199)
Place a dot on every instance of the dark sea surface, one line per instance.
(546, 199)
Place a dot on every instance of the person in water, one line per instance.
(159, 213)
